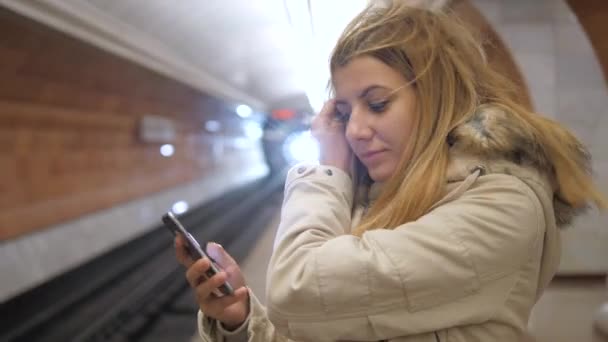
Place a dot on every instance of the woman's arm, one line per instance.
(454, 266)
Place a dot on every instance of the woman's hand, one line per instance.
(230, 310)
(333, 145)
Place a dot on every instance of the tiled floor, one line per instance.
(564, 313)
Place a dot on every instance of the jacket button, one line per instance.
(328, 172)
(301, 169)
(480, 168)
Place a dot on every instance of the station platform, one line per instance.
(151, 302)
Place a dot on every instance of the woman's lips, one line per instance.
(372, 156)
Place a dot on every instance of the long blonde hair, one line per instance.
(451, 77)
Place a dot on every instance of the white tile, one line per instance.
(525, 11)
(577, 63)
(600, 141)
(584, 245)
(528, 37)
(571, 38)
(562, 13)
(600, 168)
(538, 70)
(544, 100)
(580, 106)
(579, 74)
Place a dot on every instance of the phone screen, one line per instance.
(195, 251)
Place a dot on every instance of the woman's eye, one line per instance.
(378, 107)
(341, 117)
(342, 112)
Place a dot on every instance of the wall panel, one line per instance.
(69, 114)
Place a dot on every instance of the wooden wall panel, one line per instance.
(68, 128)
(593, 14)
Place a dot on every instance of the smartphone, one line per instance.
(196, 252)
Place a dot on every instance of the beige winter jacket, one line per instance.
(469, 270)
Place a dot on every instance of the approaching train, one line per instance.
(287, 140)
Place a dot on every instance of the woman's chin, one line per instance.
(378, 174)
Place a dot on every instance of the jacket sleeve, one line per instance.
(256, 328)
(454, 266)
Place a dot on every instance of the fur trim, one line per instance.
(493, 138)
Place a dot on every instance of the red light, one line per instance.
(283, 114)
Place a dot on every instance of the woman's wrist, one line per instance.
(234, 325)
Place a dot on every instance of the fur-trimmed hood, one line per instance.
(496, 141)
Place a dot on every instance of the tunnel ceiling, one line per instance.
(259, 52)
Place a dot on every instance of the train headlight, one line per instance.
(301, 147)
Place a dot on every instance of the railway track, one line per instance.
(138, 291)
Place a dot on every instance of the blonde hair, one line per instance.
(451, 77)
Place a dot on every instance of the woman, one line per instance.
(433, 213)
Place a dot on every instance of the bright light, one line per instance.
(244, 111)
(241, 143)
(180, 207)
(316, 26)
(317, 98)
(253, 130)
(301, 147)
(167, 150)
(213, 126)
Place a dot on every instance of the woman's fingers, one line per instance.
(325, 117)
(219, 254)
(205, 288)
(217, 305)
(330, 133)
(196, 272)
(231, 310)
(181, 252)
(226, 263)
(328, 110)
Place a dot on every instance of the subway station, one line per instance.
(355, 170)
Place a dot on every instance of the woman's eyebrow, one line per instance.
(370, 88)
(364, 93)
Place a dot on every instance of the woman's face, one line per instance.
(378, 107)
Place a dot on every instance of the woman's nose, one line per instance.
(358, 127)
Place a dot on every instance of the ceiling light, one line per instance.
(244, 111)
(167, 150)
(179, 207)
(213, 126)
